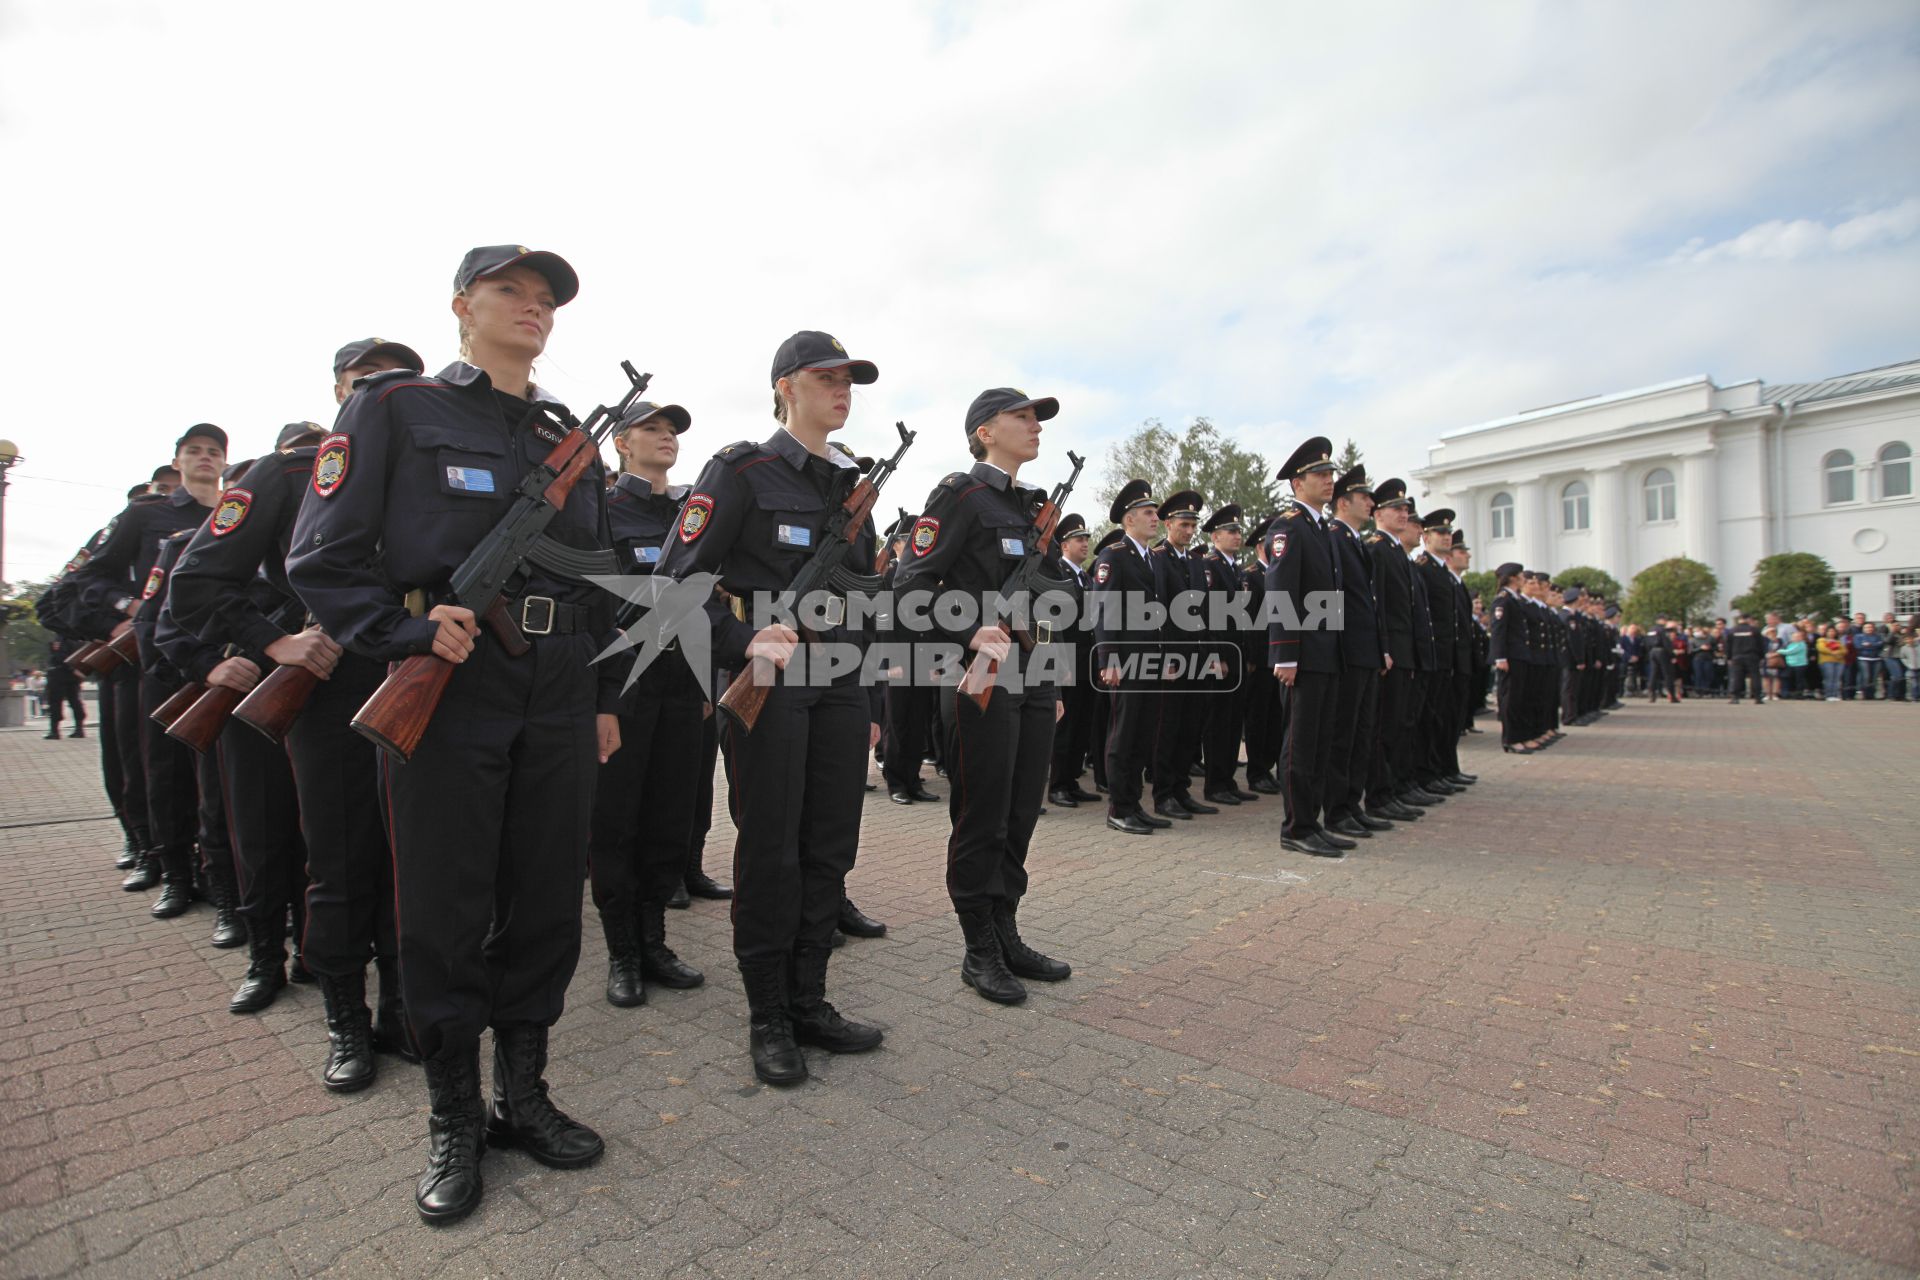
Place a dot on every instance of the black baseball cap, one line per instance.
(367, 348)
(206, 429)
(812, 349)
(1004, 400)
(295, 431)
(490, 259)
(641, 410)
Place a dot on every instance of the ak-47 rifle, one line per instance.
(80, 661)
(167, 712)
(396, 716)
(124, 647)
(1027, 581)
(277, 701)
(825, 570)
(883, 549)
(199, 725)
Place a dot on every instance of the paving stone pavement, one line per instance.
(1646, 1004)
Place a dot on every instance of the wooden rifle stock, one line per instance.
(80, 660)
(199, 725)
(124, 647)
(395, 717)
(277, 702)
(978, 682)
(167, 712)
(746, 697)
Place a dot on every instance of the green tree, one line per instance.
(1679, 588)
(1348, 458)
(1196, 458)
(1481, 583)
(1797, 584)
(26, 638)
(1597, 581)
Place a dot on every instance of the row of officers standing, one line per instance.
(456, 872)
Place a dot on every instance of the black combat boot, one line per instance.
(776, 1055)
(176, 884)
(1022, 959)
(130, 852)
(145, 873)
(985, 966)
(817, 1022)
(457, 1127)
(625, 990)
(349, 1066)
(391, 1033)
(522, 1114)
(266, 968)
(657, 961)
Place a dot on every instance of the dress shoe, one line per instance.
(1245, 797)
(1264, 786)
(1421, 799)
(1314, 843)
(52, 734)
(450, 1188)
(900, 797)
(522, 1115)
(658, 963)
(1127, 824)
(1158, 824)
(681, 898)
(1441, 787)
(1349, 827)
(701, 885)
(857, 922)
(1513, 750)
(817, 1022)
(1463, 779)
(1381, 813)
(1471, 729)
(985, 967)
(1224, 797)
(1062, 798)
(1191, 806)
(78, 731)
(1173, 809)
(1081, 794)
(919, 792)
(1021, 958)
(1370, 822)
(1196, 770)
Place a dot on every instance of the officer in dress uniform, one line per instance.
(1073, 736)
(489, 818)
(1455, 559)
(1393, 593)
(643, 806)
(973, 533)
(1127, 648)
(1363, 659)
(1181, 722)
(1303, 644)
(1439, 715)
(755, 515)
(1426, 660)
(1266, 718)
(1101, 716)
(1225, 707)
(909, 707)
(1507, 647)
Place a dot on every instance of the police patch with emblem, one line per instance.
(330, 465)
(1278, 547)
(1499, 612)
(694, 517)
(547, 429)
(1102, 572)
(926, 532)
(233, 508)
(154, 580)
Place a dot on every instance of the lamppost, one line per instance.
(11, 711)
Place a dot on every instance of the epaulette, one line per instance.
(956, 480)
(385, 376)
(1378, 535)
(739, 450)
(179, 534)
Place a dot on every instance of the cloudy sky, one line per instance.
(1374, 220)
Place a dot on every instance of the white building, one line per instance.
(1723, 475)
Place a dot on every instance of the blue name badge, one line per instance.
(1012, 547)
(471, 479)
(793, 535)
(647, 555)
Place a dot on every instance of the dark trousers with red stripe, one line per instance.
(799, 783)
(1176, 740)
(1132, 715)
(1388, 752)
(349, 896)
(216, 842)
(1350, 755)
(263, 819)
(1311, 706)
(129, 745)
(1226, 719)
(1266, 722)
(172, 789)
(909, 715)
(113, 774)
(706, 753)
(489, 828)
(1073, 735)
(1437, 732)
(1510, 696)
(644, 805)
(997, 763)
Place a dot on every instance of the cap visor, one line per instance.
(864, 371)
(565, 282)
(1043, 407)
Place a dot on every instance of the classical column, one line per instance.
(1699, 509)
(1530, 526)
(1610, 520)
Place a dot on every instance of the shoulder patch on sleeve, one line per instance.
(926, 532)
(330, 465)
(1277, 547)
(1102, 572)
(233, 508)
(695, 516)
(154, 579)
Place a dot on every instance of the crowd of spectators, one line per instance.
(1845, 660)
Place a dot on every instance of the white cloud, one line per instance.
(1781, 241)
(1380, 221)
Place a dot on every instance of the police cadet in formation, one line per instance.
(108, 590)
(1511, 649)
(1073, 737)
(1303, 645)
(1224, 709)
(1546, 646)
(1102, 702)
(1266, 712)
(1180, 724)
(346, 872)
(489, 817)
(1389, 765)
(910, 706)
(755, 515)
(972, 535)
(1573, 655)
(1126, 647)
(1465, 665)
(1438, 770)
(1363, 660)
(643, 807)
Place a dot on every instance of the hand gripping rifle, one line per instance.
(277, 701)
(825, 570)
(108, 656)
(1028, 580)
(396, 716)
(167, 712)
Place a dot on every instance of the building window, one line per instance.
(1658, 491)
(1501, 511)
(1843, 587)
(1576, 510)
(1906, 593)
(1896, 471)
(1838, 467)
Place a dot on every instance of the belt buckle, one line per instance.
(1043, 633)
(526, 615)
(834, 612)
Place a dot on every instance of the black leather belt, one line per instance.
(545, 616)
